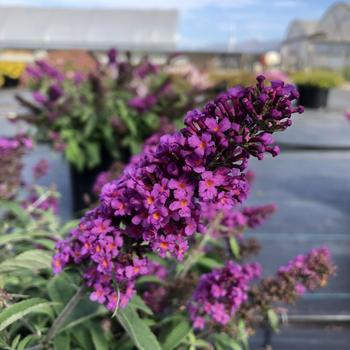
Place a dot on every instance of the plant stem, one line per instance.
(62, 317)
(193, 257)
(198, 250)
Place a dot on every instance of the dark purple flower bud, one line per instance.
(54, 92)
(112, 55)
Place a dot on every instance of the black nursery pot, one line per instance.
(10, 82)
(83, 181)
(312, 96)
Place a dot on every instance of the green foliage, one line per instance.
(346, 73)
(273, 319)
(18, 310)
(323, 79)
(234, 247)
(138, 331)
(230, 78)
(177, 334)
(93, 120)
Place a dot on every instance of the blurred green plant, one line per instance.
(346, 73)
(323, 79)
(230, 78)
(109, 111)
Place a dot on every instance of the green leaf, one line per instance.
(209, 263)
(138, 331)
(25, 342)
(227, 342)
(127, 118)
(35, 259)
(62, 341)
(74, 154)
(83, 338)
(234, 247)
(16, 210)
(139, 304)
(100, 312)
(13, 237)
(61, 288)
(151, 120)
(98, 337)
(148, 279)
(17, 311)
(15, 341)
(93, 157)
(177, 335)
(273, 319)
(243, 334)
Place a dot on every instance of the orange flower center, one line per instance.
(210, 183)
(101, 228)
(150, 200)
(183, 203)
(156, 216)
(164, 245)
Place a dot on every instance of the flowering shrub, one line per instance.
(162, 198)
(164, 246)
(107, 112)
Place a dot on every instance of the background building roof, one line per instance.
(335, 23)
(334, 26)
(60, 28)
(301, 29)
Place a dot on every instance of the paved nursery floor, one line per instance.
(310, 183)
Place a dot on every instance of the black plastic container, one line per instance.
(10, 82)
(312, 96)
(83, 181)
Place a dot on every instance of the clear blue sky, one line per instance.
(208, 22)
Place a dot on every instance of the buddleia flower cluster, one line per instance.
(225, 293)
(12, 149)
(221, 292)
(160, 201)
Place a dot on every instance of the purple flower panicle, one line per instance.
(160, 200)
(308, 272)
(220, 293)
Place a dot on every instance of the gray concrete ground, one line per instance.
(312, 191)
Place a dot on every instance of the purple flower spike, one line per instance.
(163, 196)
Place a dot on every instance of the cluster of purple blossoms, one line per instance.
(303, 274)
(142, 104)
(159, 202)
(220, 293)
(40, 169)
(255, 216)
(43, 69)
(234, 222)
(12, 149)
(308, 272)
